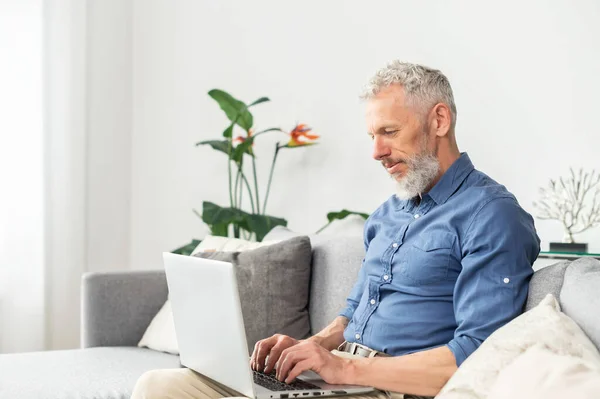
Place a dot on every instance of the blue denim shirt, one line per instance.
(449, 270)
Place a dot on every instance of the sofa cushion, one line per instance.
(548, 280)
(336, 261)
(335, 266)
(94, 373)
(579, 296)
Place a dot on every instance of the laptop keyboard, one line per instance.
(270, 382)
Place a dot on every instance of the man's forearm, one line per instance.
(420, 373)
(331, 336)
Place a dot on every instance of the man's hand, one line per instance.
(308, 355)
(270, 349)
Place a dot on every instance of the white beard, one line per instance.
(422, 170)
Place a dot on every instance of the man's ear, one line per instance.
(442, 119)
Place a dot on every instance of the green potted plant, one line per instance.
(232, 220)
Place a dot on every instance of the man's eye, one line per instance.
(389, 132)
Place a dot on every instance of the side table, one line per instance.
(547, 258)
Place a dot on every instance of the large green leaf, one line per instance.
(219, 145)
(213, 214)
(219, 218)
(262, 224)
(220, 230)
(187, 248)
(331, 216)
(236, 110)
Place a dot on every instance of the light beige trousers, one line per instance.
(187, 384)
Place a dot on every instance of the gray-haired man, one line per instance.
(448, 259)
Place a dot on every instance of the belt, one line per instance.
(360, 350)
(365, 351)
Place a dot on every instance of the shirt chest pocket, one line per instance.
(428, 258)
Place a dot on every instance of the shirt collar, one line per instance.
(452, 179)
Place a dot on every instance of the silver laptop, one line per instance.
(211, 336)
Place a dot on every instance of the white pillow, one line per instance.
(227, 244)
(160, 334)
(540, 373)
(545, 325)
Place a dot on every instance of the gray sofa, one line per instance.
(118, 306)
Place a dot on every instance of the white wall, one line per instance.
(88, 151)
(65, 132)
(524, 76)
(109, 89)
(21, 177)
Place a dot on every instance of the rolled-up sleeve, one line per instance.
(498, 252)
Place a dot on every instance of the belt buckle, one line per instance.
(348, 347)
(367, 352)
(353, 348)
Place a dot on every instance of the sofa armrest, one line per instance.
(117, 307)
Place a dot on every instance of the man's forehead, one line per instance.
(385, 112)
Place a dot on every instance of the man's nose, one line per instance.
(380, 149)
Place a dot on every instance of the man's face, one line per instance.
(401, 142)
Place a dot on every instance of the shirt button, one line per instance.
(395, 245)
(506, 280)
(386, 277)
(357, 336)
(417, 216)
(372, 301)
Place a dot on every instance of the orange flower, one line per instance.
(301, 131)
(241, 139)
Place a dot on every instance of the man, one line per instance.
(448, 259)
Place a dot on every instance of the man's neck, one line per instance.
(446, 160)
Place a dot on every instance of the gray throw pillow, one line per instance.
(273, 283)
(336, 262)
(548, 280)
(579, 296)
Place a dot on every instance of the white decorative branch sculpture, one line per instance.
(567, 200)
